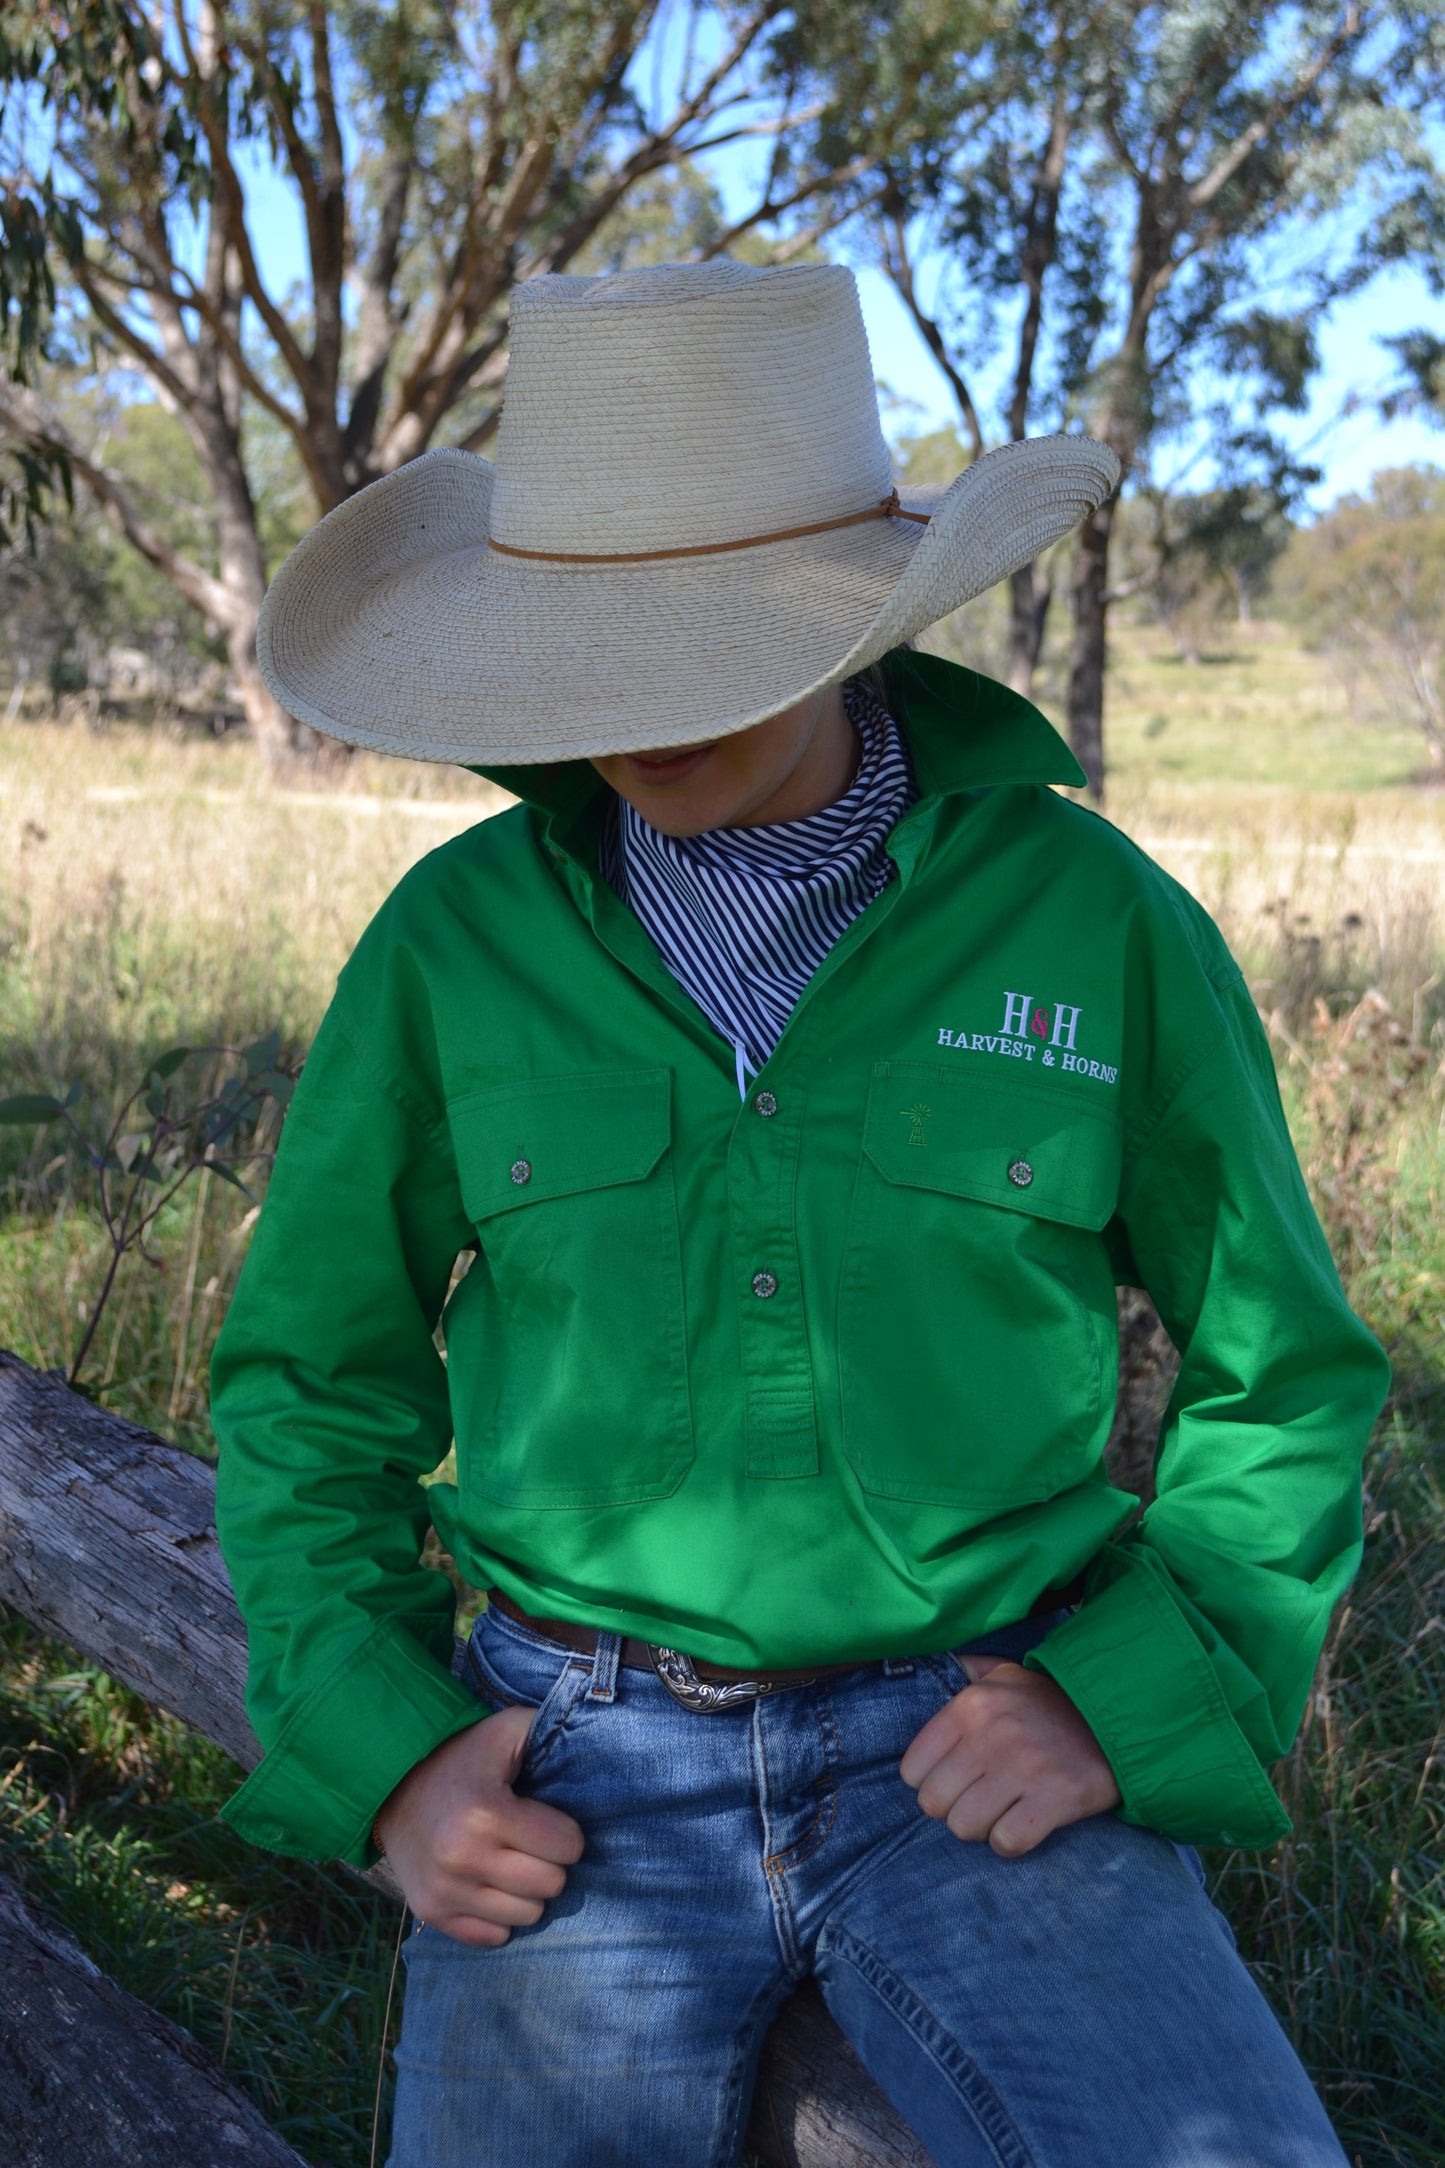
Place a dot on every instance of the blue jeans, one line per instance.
(1081, 2006)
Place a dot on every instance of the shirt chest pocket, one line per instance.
(977, 1336)
(565, 1342)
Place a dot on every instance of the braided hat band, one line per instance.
(691, 523)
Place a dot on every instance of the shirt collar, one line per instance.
(964, 731)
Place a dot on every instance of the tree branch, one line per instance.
(1204, 191)
(837, 178)
(1039, 246)
(899, 267)
(23, 413)
(233, 196)
(376, 325)
(328, 261)
(155, 364)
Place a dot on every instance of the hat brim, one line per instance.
(392, 625)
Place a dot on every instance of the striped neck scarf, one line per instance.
(743, 917)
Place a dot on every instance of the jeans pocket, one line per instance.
(511, 1671)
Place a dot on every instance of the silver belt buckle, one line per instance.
(706, 1696)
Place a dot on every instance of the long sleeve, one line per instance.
(329, 1401)
(1194, 1648)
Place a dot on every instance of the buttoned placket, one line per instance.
(780, 1409)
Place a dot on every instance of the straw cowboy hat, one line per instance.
(690, 524)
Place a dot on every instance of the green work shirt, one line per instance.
(823, 1373)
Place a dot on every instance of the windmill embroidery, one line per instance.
(918, 1115)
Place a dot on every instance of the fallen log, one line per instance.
(108, 1543)
(89, 2075)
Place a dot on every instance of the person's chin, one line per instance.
(675, 817)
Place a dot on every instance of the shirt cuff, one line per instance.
(373, 1717)
(1136, 1671)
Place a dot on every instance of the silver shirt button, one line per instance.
(1021, 1174)
(764, 1285)
(766, 1104)
(521, 1171)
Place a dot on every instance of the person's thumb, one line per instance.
(504, 1740)
(979, 1667)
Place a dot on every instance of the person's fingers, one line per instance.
(529, 1825)
(938, 1738)
(959, 1771)
(477, 1900)
(1020, 1827)
(482, 1934)
(502, 1908)
(521, 1874)
(975, 1813)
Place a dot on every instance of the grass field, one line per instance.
(154, 890)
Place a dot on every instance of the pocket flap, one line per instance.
(552, 1136)
(934, 1128)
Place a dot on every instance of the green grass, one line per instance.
(1257, 708)
(154, 891)
(109, 1821)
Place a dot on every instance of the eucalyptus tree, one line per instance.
(431, 154)
(1222, 127)
(1104, 197)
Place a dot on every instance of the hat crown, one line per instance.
(685, 404)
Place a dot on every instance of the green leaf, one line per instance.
(73, 1095)
(214, 1166)
(31, 1107)
(168, 1064)
(156, 1098)
(263, 1054)
(279, 1085)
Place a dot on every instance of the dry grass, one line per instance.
(155, 891)
(171, 860)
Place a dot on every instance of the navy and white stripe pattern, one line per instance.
(744, 916)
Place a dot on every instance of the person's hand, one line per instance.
(473, 1859)
(1008, 1759)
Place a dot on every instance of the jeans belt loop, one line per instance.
(605, 1658)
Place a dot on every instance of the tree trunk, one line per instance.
(815, 2106)
(108, 1542)
(91, 2078)
(275, 732)
(1029, 600)
(241, 567)
(1088, 655)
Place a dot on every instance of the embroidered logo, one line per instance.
(1057, 1026)
(918, 1115)
(1048, 1030)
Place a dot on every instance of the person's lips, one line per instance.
(669, 767)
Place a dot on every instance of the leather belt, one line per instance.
(703, 1686)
